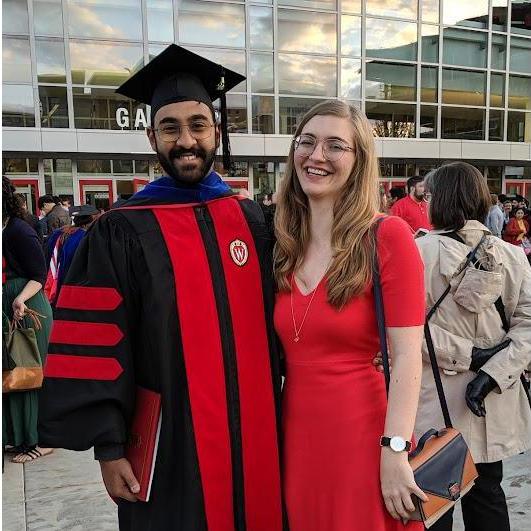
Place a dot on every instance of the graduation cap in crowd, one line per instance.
(83, 210)
(177, 74)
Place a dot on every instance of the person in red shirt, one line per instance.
(413, 208)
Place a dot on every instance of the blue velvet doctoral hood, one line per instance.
(167, 190)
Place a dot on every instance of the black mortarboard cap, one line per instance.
(83, 210)
(177, 74)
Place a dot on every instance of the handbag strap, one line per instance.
(33, 315)
(378, 300)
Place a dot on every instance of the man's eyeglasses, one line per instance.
(172, 132)
(333, 149)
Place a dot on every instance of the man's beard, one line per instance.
(418, 197)
(187, 174)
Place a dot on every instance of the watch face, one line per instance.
(397, 444)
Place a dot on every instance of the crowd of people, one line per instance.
(207, 299)
(508, 217)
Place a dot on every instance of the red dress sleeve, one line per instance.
(402, 274)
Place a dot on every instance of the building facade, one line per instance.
(439, 80)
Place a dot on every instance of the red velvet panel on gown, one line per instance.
(334, 401)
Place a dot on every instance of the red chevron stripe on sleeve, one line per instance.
(82, 367)
(88, 298)
(82, 333)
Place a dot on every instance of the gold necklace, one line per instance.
(297, 331)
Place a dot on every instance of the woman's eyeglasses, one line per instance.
(333, 149)
(172, 132)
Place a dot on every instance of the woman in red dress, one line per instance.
(337, 477)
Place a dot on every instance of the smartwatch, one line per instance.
(396, 443)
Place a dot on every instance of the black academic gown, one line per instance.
(166, 297)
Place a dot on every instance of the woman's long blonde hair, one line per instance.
(354, 214)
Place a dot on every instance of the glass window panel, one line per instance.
(498, 52)
(94, 166)
(33, 165)
(395, 120)
(106, 19)
(313, 4)
(102, 63)
(292, 110)
(520, 55)
(261, 27)
(429, 84)
(53, 106)
(520, 92)
(155, 49)
(520, 19)
(306, 31)
(141, 166)
(262, 72)
(10, 165)
(160, 20)
(472, 13)
(125, 187)
(398, 8)
(50, 61)
(497, 90)
(519, 126)
(430, 11)
(386, 81)
(263, 179)
(236, 112)
(494, 179)
(15, 16)
(16, 61)
(350, 78)
(391, 39)
(465, 48)
(428, 121)
(460, 87)
(263, 114)
(496, 125)
(218, 24)
(17, 106)
(350, 35)
(430, 43)
(95, 108)
(499, 15)
(122, 166)
(463, 123)
(232, 59)
(304, 74)
(353, 6)
(48, 17)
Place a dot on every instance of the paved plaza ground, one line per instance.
(64, 492)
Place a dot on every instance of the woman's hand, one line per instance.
(398, 484)
(19, 309)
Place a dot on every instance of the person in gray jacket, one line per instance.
(481, 334)
(495, 217)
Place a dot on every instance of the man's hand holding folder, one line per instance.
(120, 480)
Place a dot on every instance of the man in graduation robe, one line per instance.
(173, 292)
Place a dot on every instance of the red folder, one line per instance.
(141, 450)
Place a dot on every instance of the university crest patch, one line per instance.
(239, 252)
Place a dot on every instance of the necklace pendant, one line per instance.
(296, 339)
